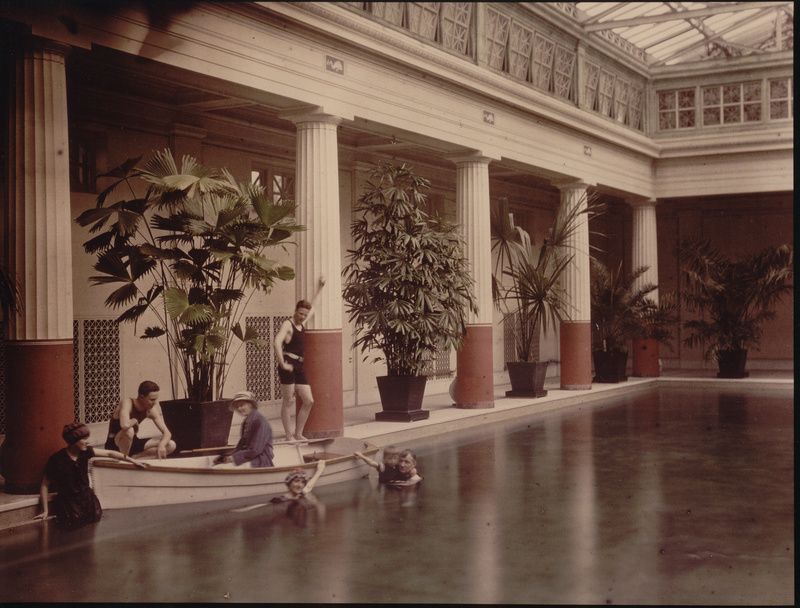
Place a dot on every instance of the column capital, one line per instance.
(637, 201)
(568, 184)
(319, 114)
(474, 156)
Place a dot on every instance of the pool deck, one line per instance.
(360, 423)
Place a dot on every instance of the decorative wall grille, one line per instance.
(543, 51)
(563, 70)
(96, 348)
(76, 369)
(261, 371)
(456, 21)
(438, 366)
(423, 18)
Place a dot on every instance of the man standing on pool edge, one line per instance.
(290, 354)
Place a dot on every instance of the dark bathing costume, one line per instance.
(114, 427)
(293, 355)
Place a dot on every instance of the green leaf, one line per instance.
(177, 301)
(153, 332)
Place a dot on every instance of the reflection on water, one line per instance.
(670, 496)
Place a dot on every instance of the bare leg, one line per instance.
(304, 390)
(151, 449)
(124, 440)
(287, 390)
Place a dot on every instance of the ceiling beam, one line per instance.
(677, 15)
(224, 103)
(700, 44)
(614, 8)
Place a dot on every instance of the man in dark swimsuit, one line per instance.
(124, 425)
(290, 354)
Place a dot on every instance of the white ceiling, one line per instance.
(679, 32)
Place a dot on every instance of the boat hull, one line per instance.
(121, 485)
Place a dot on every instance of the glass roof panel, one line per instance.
(678, 32)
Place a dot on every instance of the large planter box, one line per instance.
(527, 378)
(645, 358)
(197, 424)
(732, 363)
(609, 366)
(401, 398)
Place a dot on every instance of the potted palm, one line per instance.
(734, 296)
(531, 296)
(191, 252)
(617, 308)
(407, 286)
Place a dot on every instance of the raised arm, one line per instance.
(313, 480)
(320, 284)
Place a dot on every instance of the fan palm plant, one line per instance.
(618, 306)
(734, 297)
(191, 251)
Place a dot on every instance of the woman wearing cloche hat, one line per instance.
(255, 445)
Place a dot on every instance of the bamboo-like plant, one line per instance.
(735, 296)
(535, 298)
(192, 251)
(407, 284)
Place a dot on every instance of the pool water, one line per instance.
(666, 496)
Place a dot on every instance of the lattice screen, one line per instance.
(97, 354)
(261, 372)
(438, 366)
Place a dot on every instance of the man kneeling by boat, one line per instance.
(255, 446)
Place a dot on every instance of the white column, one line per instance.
(473, 215)
(38, 249)
(645, 243)
(317, 195)
(39, 223)
(576, 277)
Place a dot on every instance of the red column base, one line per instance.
(576, 355)
(645, 358)
(39, 404)
(323, 367)
(474, 388)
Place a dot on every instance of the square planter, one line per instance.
(197, 424)
(401, 398)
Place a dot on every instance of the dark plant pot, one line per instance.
(197, 424)
(609, 366)
(401, 398)
(732, 363)
(527, 378)
(645, 358)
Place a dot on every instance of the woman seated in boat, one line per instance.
(67, 473)
(255, 445)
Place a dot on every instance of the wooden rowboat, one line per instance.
(121, 485)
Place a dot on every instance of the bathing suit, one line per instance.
(293, 355)
(114, 427)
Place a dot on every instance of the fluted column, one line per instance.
(645, 253)
(39, 253)
(319, 255)
(474, 386)
(575, 334)
(645, 244)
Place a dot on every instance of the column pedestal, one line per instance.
(576, 355)
(39, 404)
(323, 367)
(474, 387)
